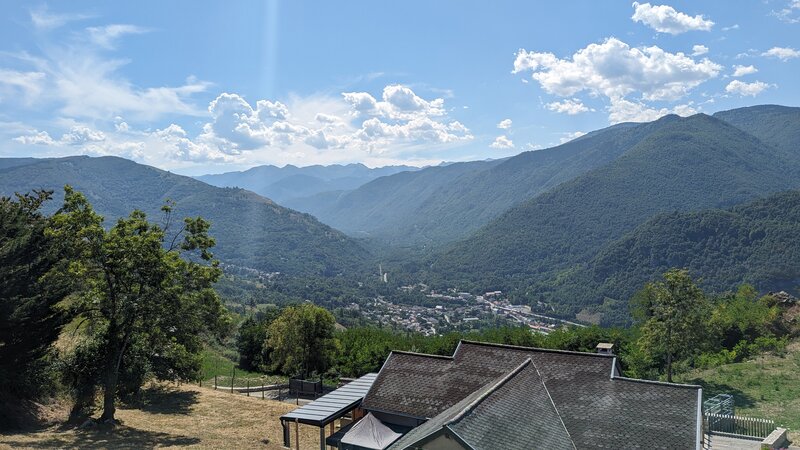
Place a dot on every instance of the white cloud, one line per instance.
(36, 138)
(732, 27)
(82, 82)
(324, 130)
(82, 134)
(622, 110)
(30, 84)
(739, 71)
(502, 142)
(398, 102)
(326, 118)
(746, 89)
(571, 136)
(504, 124)
(614, 69)
(569, 106)
(698, 50)
(789, 14)
(43, 19)
(106, 35)
(782, 53)
(665, 19)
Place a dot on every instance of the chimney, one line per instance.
(604, 348)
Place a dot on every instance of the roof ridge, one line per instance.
(404, 352)
(537, 349)
(555, 408)
(497, 385)
(662, 383)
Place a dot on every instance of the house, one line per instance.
(490, 396)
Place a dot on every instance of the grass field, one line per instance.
(766, 387)
(216, 364)
(178, 416)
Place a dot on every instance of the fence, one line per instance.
(739, 426)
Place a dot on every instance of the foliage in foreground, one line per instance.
(140, 303)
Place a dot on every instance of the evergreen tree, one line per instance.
(30, 319)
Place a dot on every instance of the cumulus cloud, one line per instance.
(746, 89)
(502, 142)
(614, 69)
(302, 130)
(569, 106)
(665, 19)
(698, 50)
(80, 134)
(782, 53)
(739, 71)
(504, 124)
(622, 110)
(36, 138)
(398, 102)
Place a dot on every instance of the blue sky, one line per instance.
(197, 86)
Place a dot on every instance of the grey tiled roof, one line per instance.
(599, 410)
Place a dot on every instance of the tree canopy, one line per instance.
(143, 297)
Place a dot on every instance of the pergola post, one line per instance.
(285, 428)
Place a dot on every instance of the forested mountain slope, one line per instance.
(250, 230)
(441, 204)
(756, 243)
(686, 164)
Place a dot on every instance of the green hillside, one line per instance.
(441, 204)
(684, 164)
(250, 230)
(773, 124)
(756, 243)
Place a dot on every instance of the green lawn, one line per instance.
(766, 387)
(216, 364)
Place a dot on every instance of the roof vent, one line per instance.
(605, 348)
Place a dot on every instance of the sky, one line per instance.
(206, 87)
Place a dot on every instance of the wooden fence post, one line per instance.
(248, 387)
(262, 389)
(233, 377)
(215, 382)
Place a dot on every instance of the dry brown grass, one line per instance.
(184, 416)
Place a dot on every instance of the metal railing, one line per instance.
(738, 426)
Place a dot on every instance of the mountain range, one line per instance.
(284, 184)
(573, 230)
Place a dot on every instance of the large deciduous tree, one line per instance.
(145, 295)
(301, 340)
(674, 315)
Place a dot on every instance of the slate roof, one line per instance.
(597, 408)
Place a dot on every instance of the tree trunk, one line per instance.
(669, 367)
(112, 379)
(110, 391)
